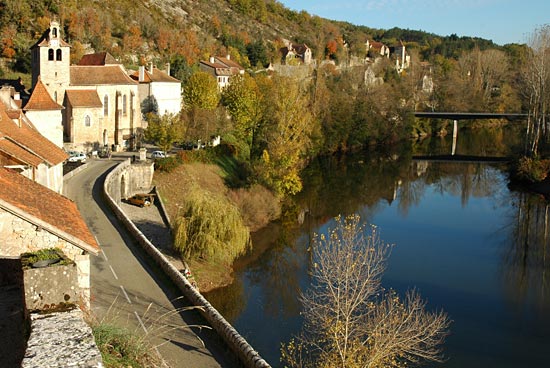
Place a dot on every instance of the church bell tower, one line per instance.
(51, 61)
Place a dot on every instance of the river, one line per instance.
(463, 239)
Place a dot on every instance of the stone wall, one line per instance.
(19, 236)
(50, 287)
(232, 338)
(128, 179)
(61, 340)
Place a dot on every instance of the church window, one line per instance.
(54, 32)
(55, 96)
(50, 54)
(58, 55)
(124, 107)
(106, 105)
(87, 121)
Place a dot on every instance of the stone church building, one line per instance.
(100, 101)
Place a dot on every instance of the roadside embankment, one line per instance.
(245, 352)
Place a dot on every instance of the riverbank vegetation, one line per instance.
(349, 320)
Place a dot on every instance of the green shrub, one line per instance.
(167, 164)
(210, 227)
(27, 259)
(120, 348)
(532, 169)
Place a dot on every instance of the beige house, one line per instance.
(222, 68)
(24, 149)
(117, 122)
(33, 217)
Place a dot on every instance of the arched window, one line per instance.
(87, 121)
(55, 96)
(105, 105)
(58, 55)
(50, 54)
(124, 107)
(54, 32)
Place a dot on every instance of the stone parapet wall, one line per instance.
(51, 287)
(61, 340)
(232, 338)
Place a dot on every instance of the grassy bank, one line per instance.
(198, 193)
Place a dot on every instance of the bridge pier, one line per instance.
(455, 136)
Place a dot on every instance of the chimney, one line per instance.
(17, 96)
(228, 57)
(168, 68)
(151, 68)
(141, 73)
(212, 60)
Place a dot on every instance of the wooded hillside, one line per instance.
(184, 31)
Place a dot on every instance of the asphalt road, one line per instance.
(132, 292)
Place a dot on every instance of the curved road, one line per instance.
(128, 290)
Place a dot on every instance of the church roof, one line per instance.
(99, 75)
(100, 58)
(83, 98)
(45, 208)
(29, 139)
(40, 99)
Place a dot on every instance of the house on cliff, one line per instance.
(293, 52)
(222, 68)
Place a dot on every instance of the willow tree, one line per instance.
(349, 320)
(536, 80)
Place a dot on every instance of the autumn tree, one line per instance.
(164, 130)
(286, 135)
(243, 99)
(349, 320)
(201, 97)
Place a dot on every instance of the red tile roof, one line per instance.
(56, 213)
(41, 99)
(28, 138)
(101, 58)
(230, 63)
(99, 75)
(156, 76)
(218, 68)
(83, 98)
(18, 153)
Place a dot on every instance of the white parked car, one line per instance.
(77, 157)
(158, 154)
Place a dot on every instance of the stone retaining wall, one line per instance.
(232, 338)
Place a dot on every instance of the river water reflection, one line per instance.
(462, 238)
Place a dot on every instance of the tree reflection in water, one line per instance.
(526, 259)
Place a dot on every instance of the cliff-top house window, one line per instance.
(50, 54)
(87, 121)
(106, 105)
(124, 107)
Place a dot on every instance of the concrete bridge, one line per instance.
(456, 116)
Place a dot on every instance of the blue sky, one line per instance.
(503, 21)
